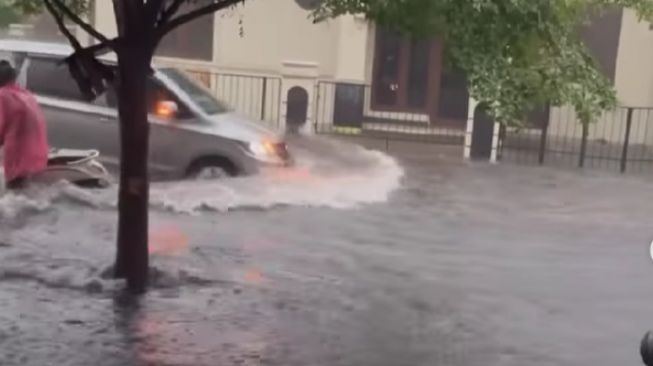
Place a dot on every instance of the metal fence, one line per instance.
(350, 109)
(337, 108)
(258, 97)
(620, 140)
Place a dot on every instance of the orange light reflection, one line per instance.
(168, 241)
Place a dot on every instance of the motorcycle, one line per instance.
(79, 167)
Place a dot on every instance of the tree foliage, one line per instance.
(8, 14)
(37, 6)
(517, 54)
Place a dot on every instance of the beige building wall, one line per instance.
(290, 46)
(634, 73)
(337, 47)
(274, 32)
(634, 77)
(104, 20)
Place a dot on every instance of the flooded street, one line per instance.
(352, 258)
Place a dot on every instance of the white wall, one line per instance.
(277, 32)
(104, 18)
(354, 38)
(634, 73)
(274, 32)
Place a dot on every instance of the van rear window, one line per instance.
(50, 78)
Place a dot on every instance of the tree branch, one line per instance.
(100, 48)
(153, 9)
(84, 84)
(171, 25)
(94, 51)
(171, 10)
(119, 12)
(58, 18)
(77, 20)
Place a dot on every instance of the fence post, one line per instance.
(316, 108)
(545, 131)
(264, 97)
(583, 145)
(624, 152)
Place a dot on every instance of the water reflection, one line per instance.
(128, 313)
(168, 240)
(141, 329)
(151, 333)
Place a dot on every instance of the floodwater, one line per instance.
(353, 258)
(327, 173)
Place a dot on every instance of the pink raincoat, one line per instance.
(23, 134)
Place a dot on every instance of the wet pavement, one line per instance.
(464, 265)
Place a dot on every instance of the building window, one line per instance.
(453, 99)
(405, 72)
(408, 77)
(192, 40)
(51, 78)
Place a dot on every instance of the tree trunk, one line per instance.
(132, 260)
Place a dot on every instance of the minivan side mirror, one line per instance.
(166, 109)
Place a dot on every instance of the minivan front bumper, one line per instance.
(280, 158)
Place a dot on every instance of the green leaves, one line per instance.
(517, 54)
(8, 14)
(37, 6)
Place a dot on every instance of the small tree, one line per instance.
(517, 54)
(141, 25)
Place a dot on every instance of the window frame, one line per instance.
(404, 62)
(28, 63)
(185, 112)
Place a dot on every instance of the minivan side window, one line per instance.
(51, 78)
(155, 92)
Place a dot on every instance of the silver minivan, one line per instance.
(192, 133)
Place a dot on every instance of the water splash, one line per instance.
(328, 173)
(14, 205)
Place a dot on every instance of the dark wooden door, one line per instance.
(406, 73)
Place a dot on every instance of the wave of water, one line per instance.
(328, 173)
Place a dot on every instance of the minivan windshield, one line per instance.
(200, 96)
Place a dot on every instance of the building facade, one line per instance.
(268, 57)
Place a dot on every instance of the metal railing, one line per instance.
(621, 140)
(350, 109)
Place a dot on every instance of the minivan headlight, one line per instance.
(264, 148)
(269, 151)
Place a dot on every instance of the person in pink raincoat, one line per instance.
(23, 135)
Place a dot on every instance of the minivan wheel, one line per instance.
(211, 169)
